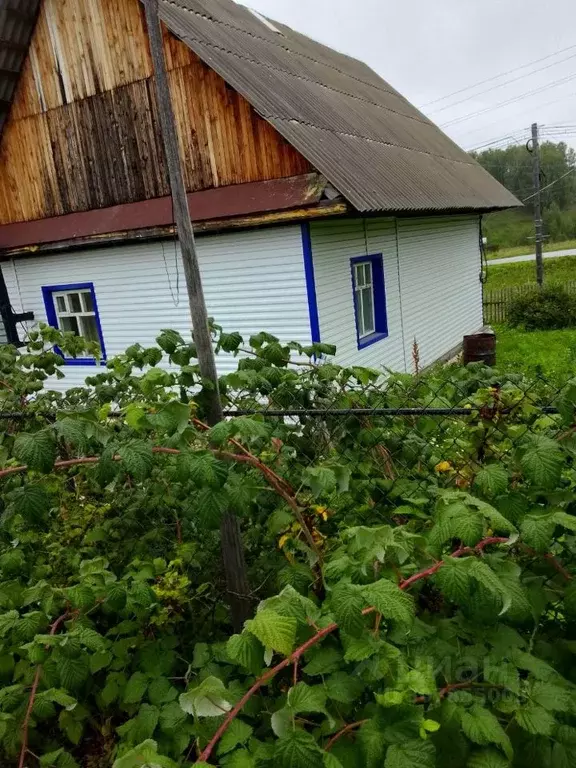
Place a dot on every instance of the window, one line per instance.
(369, 299)
(73, 308)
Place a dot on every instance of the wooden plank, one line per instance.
(86, 88)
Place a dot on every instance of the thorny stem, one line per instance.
(33, 691)
(320, 635)
(280, 485)
(418, 700)
(343, 732)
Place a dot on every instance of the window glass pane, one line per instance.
(88, 327)
(368, 310)
(367, 274)
(358, 275)
(69, 324)
(359, 314)
(61, 303)
(74, 302)
(87, 301)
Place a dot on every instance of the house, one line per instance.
(327, 207)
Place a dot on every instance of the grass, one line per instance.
(555, 271)
(551, 354)
(523, 250)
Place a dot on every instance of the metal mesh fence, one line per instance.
(399, 436)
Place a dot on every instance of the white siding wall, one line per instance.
(433, 293)
(441, 290)
(252, 281)
(334, 243)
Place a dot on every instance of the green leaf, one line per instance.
(297, 749)
(551, 697)
(202, 468)
(322, 661)
(390, 601)
(144, 724)
(482, 727)
(274, 631)
(72, 671)
(169, 340)
(238, 733)
(161, 691)
(343, 688)
(172, 717)
(492, 480)
(208, 699)
(209, 505)
(36, 449)
(100, 660)
(502, 673)
(33, 503)
(537, 531)
(454, 580)
(565, 520)
(347, 603)
(319, 479)
(542, 461)
(249, 428)
(411, 754)
(535, 720)
(540, 669)
(172, 418)
(487, 758)
(359, 648)
(135, 688)
(8, 621)
(90, 638)
(229, 342)
(72, 727)
(137, 458)
(372, 743)
(304, 698)
(247, 651)
(73, 431)
(391, 698)
(146, 755)
(61, 697)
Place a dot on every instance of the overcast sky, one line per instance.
(427, 50)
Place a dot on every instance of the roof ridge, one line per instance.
(290, 50)
(424, 121)
(369, 138)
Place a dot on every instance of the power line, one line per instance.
(502, 85)
(551, 184)
(497, 77)
(521, 96)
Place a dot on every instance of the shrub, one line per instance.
(415, 577)
(543, 309)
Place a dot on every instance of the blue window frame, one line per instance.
(369, 296)
(74, 308)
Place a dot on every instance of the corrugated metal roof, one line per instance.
(379, 151)
(17, 19)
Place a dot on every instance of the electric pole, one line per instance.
(202, 337)
(537, 204)
(233, 561)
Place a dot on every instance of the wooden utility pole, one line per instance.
(535, 149)
(233, 560)
(202, 338)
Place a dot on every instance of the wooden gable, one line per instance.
(83, 130)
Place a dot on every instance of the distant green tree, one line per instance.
(513, 168)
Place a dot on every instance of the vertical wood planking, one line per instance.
(83, 131)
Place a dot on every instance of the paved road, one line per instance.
(532, 257)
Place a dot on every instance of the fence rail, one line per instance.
(497, 302)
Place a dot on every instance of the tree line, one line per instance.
(512, 167)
